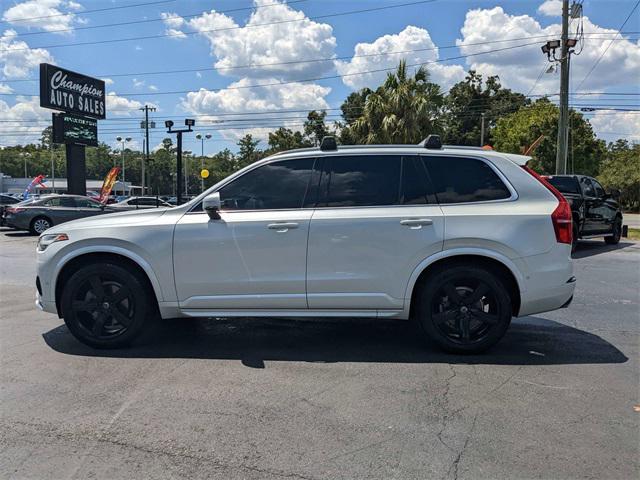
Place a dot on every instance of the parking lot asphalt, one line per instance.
(320, 399)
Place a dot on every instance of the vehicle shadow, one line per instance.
(589, 248)
(530, 340)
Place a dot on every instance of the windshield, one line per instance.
(565, 184)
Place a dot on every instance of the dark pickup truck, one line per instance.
(596, 213)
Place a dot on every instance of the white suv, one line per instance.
(460, 239)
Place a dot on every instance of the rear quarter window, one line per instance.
(464, 180)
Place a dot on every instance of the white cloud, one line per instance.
(519, 68)
(138, 83)
(153, 88)
(551, 8)
(4, 88)
(30, 119)
(138, 48)
(294, 96)
(280, 42)
(176, 34)
(48, 15)
(609, 125)
(108, 81)
(16, 58)
(122, 106)
(411, 38)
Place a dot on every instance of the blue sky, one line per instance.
(423, 31)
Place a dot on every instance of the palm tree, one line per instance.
(403, 109)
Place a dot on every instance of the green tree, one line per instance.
(286, 139)
(403, 110)
(515, 132)
(314, 127)
(248, 152)
(621, 171)
(468, 100)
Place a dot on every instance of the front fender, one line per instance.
(128, 251)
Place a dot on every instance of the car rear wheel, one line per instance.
(39, 225)
(464, 309)
(104, 305)
(616, 231)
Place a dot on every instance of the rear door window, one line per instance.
(360, 180)
(464, 180)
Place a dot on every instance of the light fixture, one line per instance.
(189, 122)
(571, 42)
(168, 123)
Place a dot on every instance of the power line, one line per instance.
(134, 22)
(593, 67)
(88, 11)
(291, 62)
(242, 87)
(180, 34)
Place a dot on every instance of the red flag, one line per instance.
(107, 186)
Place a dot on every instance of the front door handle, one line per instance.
(416, 223)
(282, 227)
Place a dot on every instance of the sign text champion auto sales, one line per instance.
(71, 92)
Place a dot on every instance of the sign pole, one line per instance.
(76, 169)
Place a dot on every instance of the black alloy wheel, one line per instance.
(464, 309)
(104, 305)
(616, 231)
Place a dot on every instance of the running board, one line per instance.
(597, 235)
(203, 313)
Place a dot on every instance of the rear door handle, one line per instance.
(416, 223)
(282, 227)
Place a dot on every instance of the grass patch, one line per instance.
(634, 234)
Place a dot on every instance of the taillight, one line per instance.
(561, 217)
(14, 209)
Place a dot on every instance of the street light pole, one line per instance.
(169, 124)
(122, 142)
(482, 130)
(201, 138)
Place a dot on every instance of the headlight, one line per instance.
(45, 240)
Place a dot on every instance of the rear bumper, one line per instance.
(547, 299)
(550, 282)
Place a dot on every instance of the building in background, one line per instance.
(18, 185)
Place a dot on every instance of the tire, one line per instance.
(617, 233)
(455, 321)
(105, 305)
(39, 225)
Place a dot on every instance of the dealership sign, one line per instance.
(70, 128)
(71, 92)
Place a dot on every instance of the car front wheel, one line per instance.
(104, 305)
(464, 309)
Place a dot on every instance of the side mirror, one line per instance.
(211, 204)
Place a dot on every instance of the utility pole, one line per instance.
(482, 129)
(146, 110)
(566, 46)
(563, 129)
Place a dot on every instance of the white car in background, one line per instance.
(459, 239)
(135, 203)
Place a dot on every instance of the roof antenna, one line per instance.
(328, 143)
